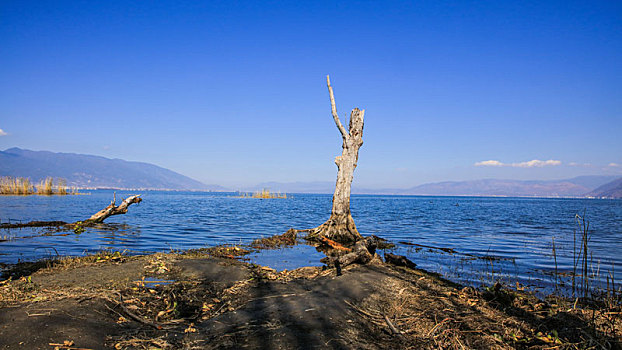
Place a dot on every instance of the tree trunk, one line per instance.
(340, 226)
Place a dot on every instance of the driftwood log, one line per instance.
(113, 209)
(99, 217)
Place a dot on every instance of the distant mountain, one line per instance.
(611, 189)
(575, 187)
(82, 170)
(493, 187)
(593, 181)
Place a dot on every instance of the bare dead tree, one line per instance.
(340, 226)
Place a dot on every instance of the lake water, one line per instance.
(493, 238)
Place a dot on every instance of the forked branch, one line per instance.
(342, 130)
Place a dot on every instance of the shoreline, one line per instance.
(211, 298)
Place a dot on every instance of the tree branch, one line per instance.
(113, 209)
(343, 131)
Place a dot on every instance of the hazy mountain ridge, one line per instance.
(611, 189)
(574, 187)
(83, 170)
(494, 187)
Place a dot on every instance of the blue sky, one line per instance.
(234, 93)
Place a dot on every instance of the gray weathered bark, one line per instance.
(340, 226)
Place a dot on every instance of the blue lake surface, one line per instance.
(510, 239)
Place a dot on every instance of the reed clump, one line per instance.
(45, 187)
(264, 194)
(15, 186)
(61, 186)
(22, 186)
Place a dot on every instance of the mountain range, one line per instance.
(575, 187)
(611, 189)
(88, 171)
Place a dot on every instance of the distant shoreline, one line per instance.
(353, 194)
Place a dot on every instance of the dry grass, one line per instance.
(22, 186)
(427, 314)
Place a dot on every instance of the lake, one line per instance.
(508, 239)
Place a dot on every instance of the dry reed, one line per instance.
(22, 186)
(61, 186)
(15, 186)
(45, 187)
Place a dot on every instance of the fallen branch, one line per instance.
(134, 316)
(99, 217)
(113, 209)
(392, 327)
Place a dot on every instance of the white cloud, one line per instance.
(489, 163)
(615, 165)
(536, 163)
(3, 133)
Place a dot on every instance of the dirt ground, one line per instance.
(210, 299)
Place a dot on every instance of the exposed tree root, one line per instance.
(362, 253)
(340, 229)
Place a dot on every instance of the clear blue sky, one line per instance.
(234, 93)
